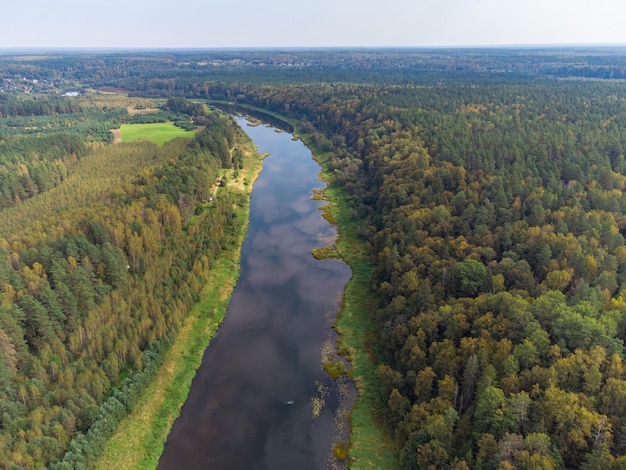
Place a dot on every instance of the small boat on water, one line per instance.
(290, 402)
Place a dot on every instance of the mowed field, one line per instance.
(158, 133)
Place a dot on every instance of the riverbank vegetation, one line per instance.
(369, 446)
(494, 219)
(98, 273)
(481, 209)
(139, 440)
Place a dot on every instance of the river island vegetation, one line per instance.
(479, 196)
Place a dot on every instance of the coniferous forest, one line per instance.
(487, 185)
(104, 251)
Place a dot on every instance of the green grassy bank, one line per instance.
(369, 447)
(140, 437)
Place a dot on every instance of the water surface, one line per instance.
(260, 399)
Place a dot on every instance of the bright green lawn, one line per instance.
(159, 133)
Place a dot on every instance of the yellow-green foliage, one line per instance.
(335, 369)
(341, 450)
(140, 438)
(117, 269)
(325, 252)
(327, 214)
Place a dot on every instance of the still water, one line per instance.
(261, 399)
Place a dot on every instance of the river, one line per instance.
(260, 399)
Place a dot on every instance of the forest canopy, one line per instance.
(488, 186)
(103, 251)
(495, 216)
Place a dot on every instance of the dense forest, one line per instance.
(488, 186)
(496, 220)
(495, 215)
(103, 251)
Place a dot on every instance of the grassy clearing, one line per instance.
(134, 111)
(159, 133)
(139, 439)
(100, 100)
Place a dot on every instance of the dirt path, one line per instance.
(117, 136)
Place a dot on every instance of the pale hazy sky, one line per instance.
(293, 23)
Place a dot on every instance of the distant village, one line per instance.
(28, 85)
(68, 87)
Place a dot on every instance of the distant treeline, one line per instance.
(142, 71)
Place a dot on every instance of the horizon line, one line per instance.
(306, 48)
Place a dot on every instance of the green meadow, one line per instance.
(159, 133)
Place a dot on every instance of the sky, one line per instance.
(308, 23)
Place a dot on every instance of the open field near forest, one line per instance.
(159, 133)
(139, 440)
